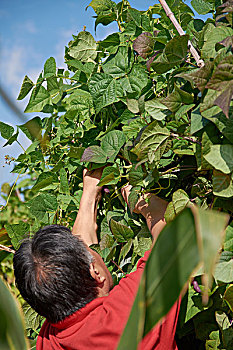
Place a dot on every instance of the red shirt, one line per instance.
(100, 323)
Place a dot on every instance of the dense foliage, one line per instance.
(137, 103)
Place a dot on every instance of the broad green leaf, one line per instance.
(155, 109)
(212, 37)
(111, 144)
(136, 176)
(6, 130)
(211, 228)
(152, 138)
(45, 179)
(84, 47)
(142, 245)
(121, 232)
(174, 53)
(12, 139)
(40, 98)
(25, 88)
(110, 176)
(42, 205)
(228, 296)
(224, 268)
(133, 198)
(32, 128)
(105, 19)
(32, 318)
(81, 101)
(118, 65)
(202, 7)
(103, 90)
(180, 200)
(76, 152)
(222, 184)
(111, 40)
(194, 304)
(135, 15)
(94, 154)
(17, 232)
(224, 124)
(64, 185)
(228, 244)
(176, 99)
(12, 324)
(221, 157)
(50, 68)
(144, 44)
(100, 6)
(125, 250)
(174, 254)
(135, 81)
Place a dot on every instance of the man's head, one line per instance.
(56, 274)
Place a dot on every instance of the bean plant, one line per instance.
(140, 105)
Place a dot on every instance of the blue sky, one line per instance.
(30, 32)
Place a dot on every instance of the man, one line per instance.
(68, 283)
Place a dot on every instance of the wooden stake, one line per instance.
(192, 49)
(7, 249)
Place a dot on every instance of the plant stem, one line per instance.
(171, 16)
(7, 249)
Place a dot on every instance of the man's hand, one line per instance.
(152, 208)
(85, 224)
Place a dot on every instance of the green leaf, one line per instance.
(180, 200)
(64, 185)
(84, 47)
(111, 40)
(211, 228)
(221, 157)
(50, 68)
(6, 130)
(202, 7)
(121, 232)
(175, 100)
(152, 138)
(212, 36)
(111, 144)
(82, 102)
(136, 176)
(228, 296)
(174, 254)
(25, 88)
(224, 269)
(94, 154)
(155, 109)
(135, 16)
(105, 19)
(32, 128)
(228, 244)
(76, 152)
(133, 198)
(110, 176)
(42, 205)
(222, 184)
(32, 318)
(100, 6)
(17, 232)
(173, 54)
(45, 179)
(103, 90)
(40, 98)
(135, 82)
(144, 44)
(118, 65)
(12, 139)
(125, 250)
(12, 324)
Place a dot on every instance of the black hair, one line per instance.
(52, 273)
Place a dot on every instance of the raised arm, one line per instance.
(85, 225)
(152, 208)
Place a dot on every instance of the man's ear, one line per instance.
(95, 273)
